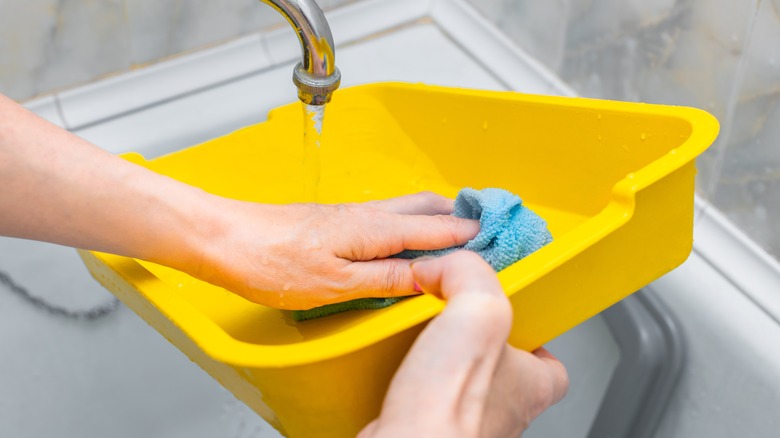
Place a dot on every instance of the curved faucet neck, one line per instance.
(316, 76)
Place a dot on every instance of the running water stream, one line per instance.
(312, 133)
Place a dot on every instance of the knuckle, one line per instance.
(393, 280)
(429, 197)
(438, 201)
(449, 220)
(492, 310)
(342, 282)
(346, 210)
(544, 396)
(452, 226)
(358, 249)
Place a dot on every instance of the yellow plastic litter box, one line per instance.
(614, 181)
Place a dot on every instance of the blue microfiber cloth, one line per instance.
(508, 232)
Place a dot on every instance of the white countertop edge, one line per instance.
(737, 257)
(46, 107)
(166, 80)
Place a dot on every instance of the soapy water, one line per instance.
(313, 116)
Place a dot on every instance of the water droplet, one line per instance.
(485, 125)
(286, 287)
(599, 116)
(625, 147)
(599, 137)
(630, 175)
(643, 136)
(444, 120)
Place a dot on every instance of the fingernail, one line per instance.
(417, 262)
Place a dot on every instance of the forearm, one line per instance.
(57, 187)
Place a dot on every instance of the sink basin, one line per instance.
(613, 180)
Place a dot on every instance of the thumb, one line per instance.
(452, 362)
(463, 272)
(476, 304)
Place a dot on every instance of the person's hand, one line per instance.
(301, 256)
(59, 188)
(461, 379)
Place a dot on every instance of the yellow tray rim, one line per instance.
(222, 347)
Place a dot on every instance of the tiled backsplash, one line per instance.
(47, 45)
(719, 55)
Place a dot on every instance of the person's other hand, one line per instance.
(461, 379)
(300, 256)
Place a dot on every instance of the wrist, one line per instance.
(196, 227)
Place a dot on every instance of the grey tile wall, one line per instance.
(719, 55)
(48, 45)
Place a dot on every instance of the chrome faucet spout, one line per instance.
(316, 76)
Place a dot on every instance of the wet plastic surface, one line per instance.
(614, 181)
